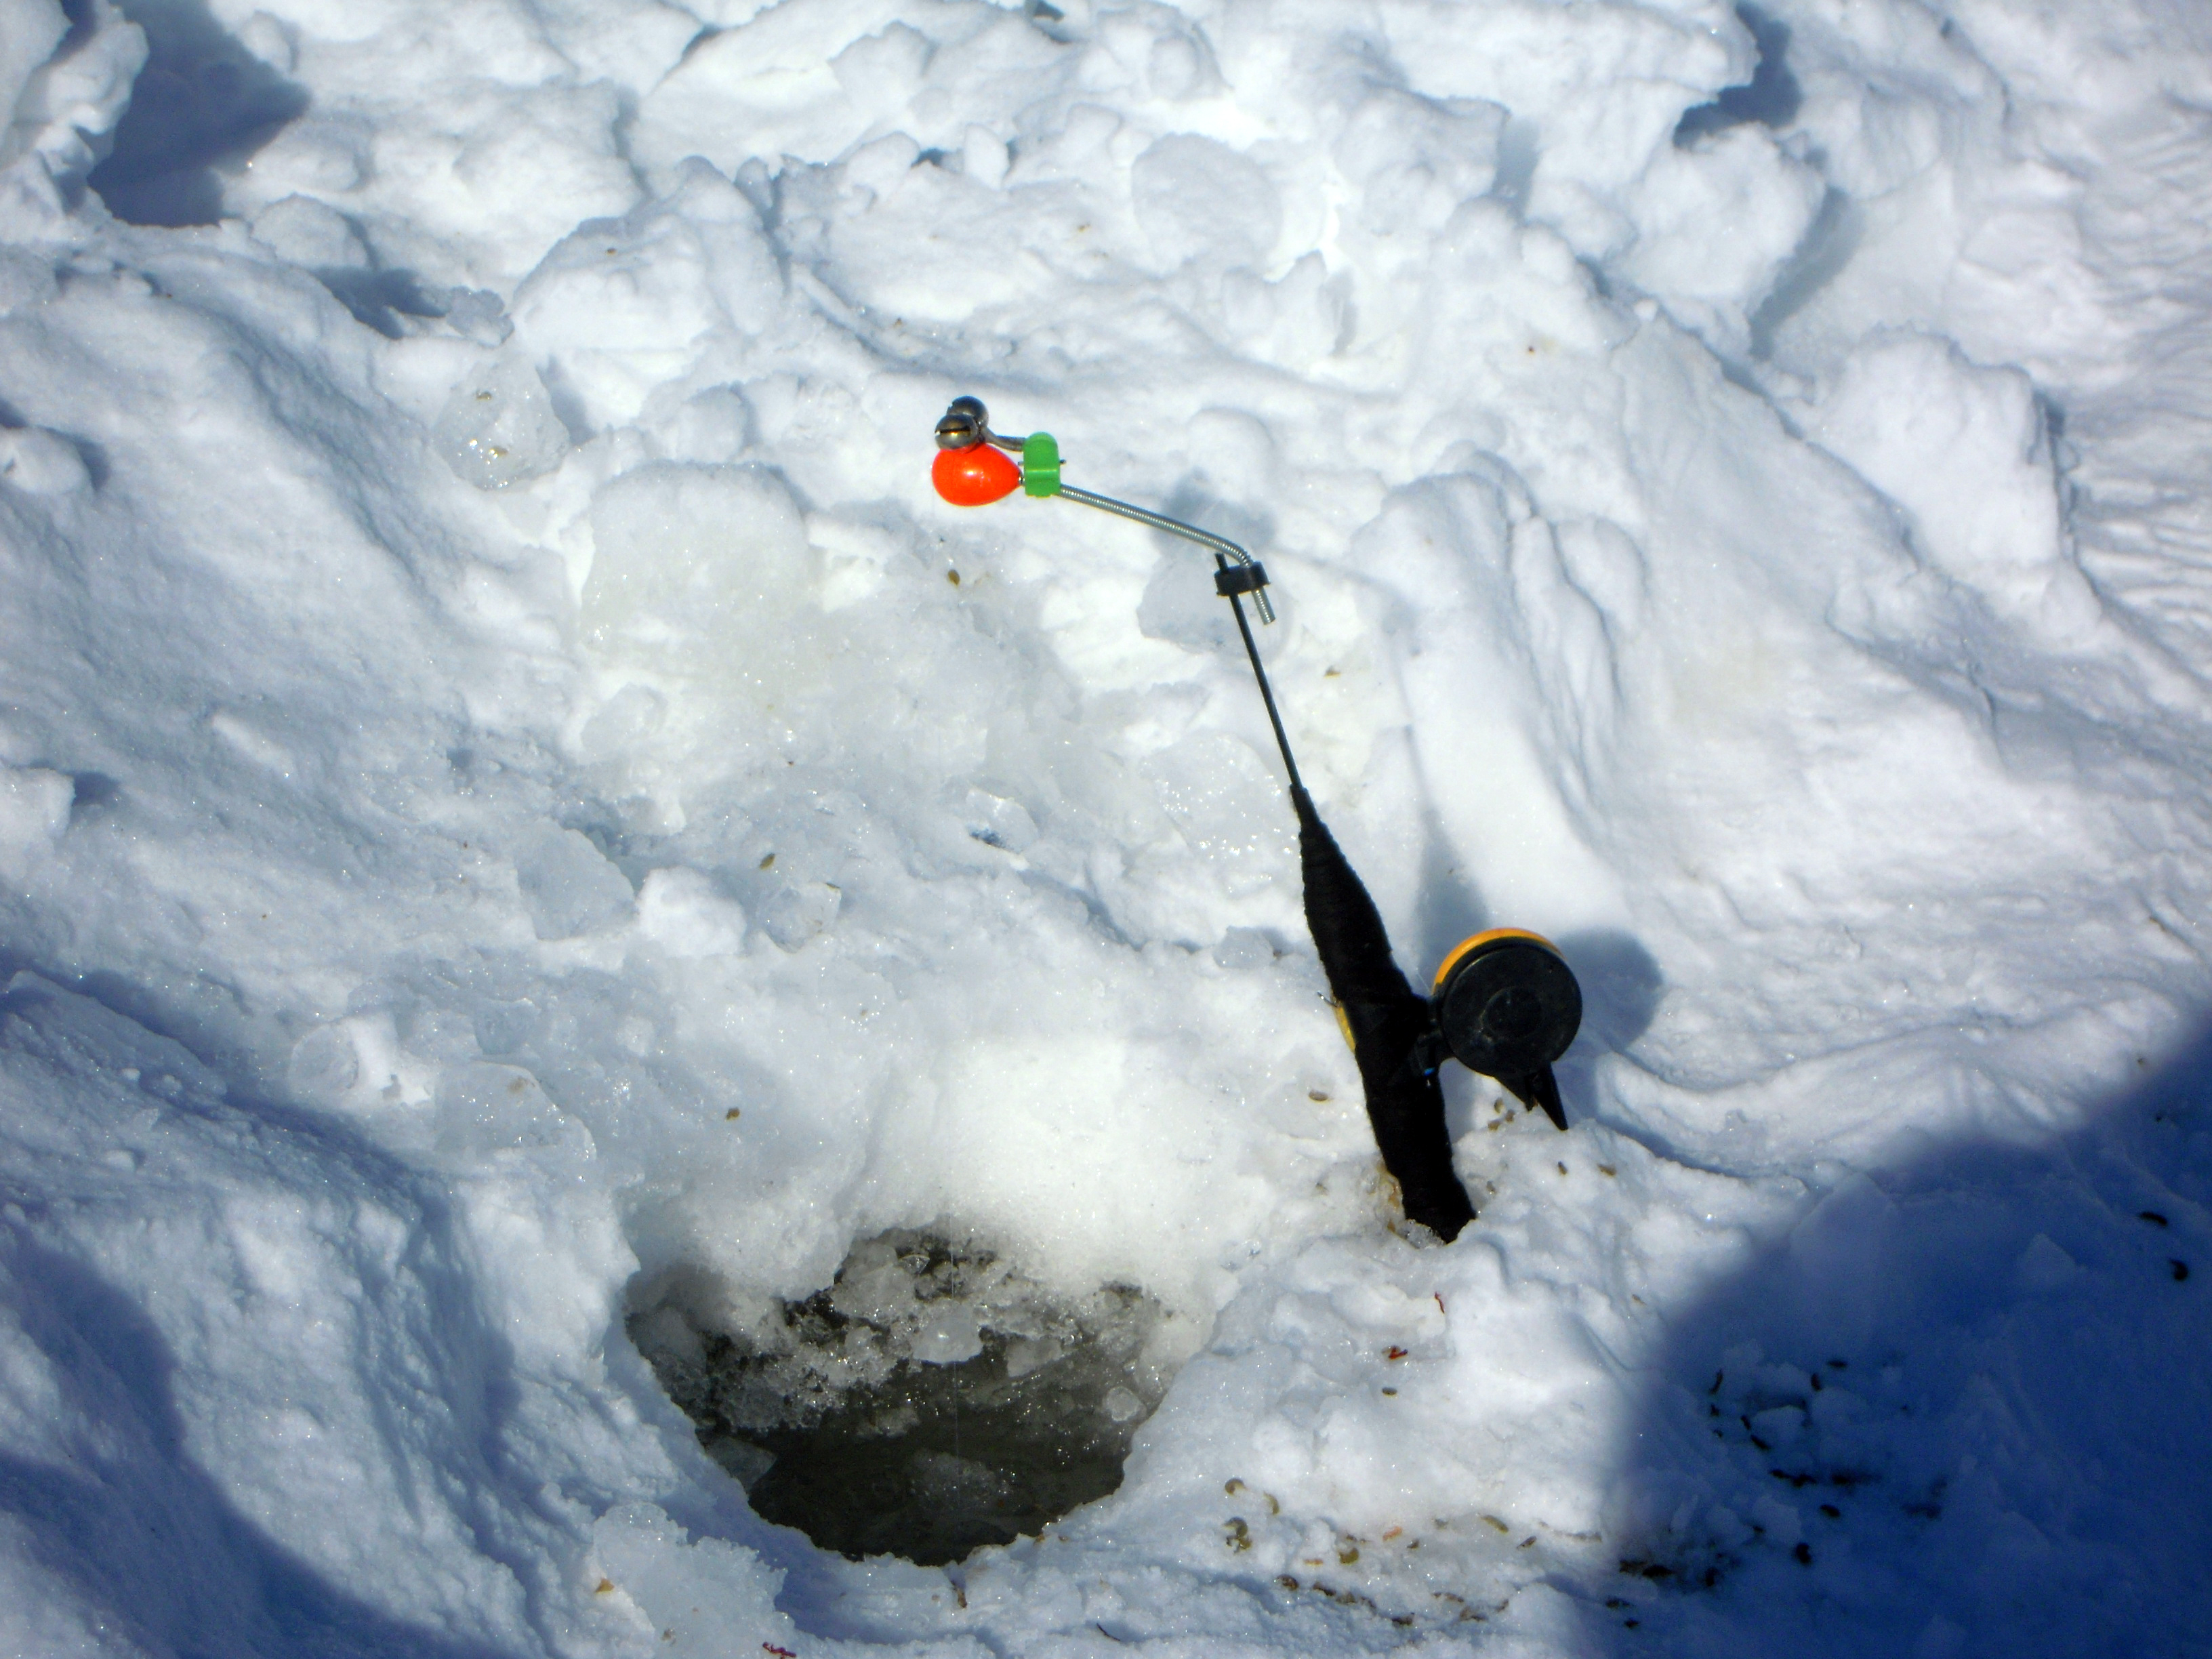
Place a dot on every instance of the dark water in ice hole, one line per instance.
(832, 1415)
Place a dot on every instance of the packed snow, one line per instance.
(529, 834)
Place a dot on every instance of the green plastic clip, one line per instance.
(1041, 464)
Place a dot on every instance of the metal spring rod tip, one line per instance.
(1189, 532)
(966, 424)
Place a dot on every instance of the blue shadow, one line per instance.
(1963, 1408)
(136, 1528)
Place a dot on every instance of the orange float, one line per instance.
(974, 476)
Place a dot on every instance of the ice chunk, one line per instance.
(484, 1109)
(950, 1333)
(877, 1284)
(741, 1460)
(998, 822)
(568, 885)
(325, 1066)
(357, 1064)
(799, 911)
(688, 1594)
(498, 427)
(1029, 1353)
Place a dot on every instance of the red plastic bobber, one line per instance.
(975, 476)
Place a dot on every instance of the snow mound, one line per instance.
(524, 814)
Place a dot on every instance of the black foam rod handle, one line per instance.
(1387, 1023)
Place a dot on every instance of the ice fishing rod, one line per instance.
(1505, 1003)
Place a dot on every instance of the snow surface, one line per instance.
(508, 817)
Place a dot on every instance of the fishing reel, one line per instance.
(1506, 1005)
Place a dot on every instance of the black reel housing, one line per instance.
(1507, 1006)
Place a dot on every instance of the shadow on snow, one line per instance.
(1962, 1407)
(137, 1529)
(203, 104)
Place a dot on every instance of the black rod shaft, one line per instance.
(1266, 691)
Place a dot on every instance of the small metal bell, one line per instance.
(965, 425)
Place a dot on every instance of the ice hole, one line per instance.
(933, 1400)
